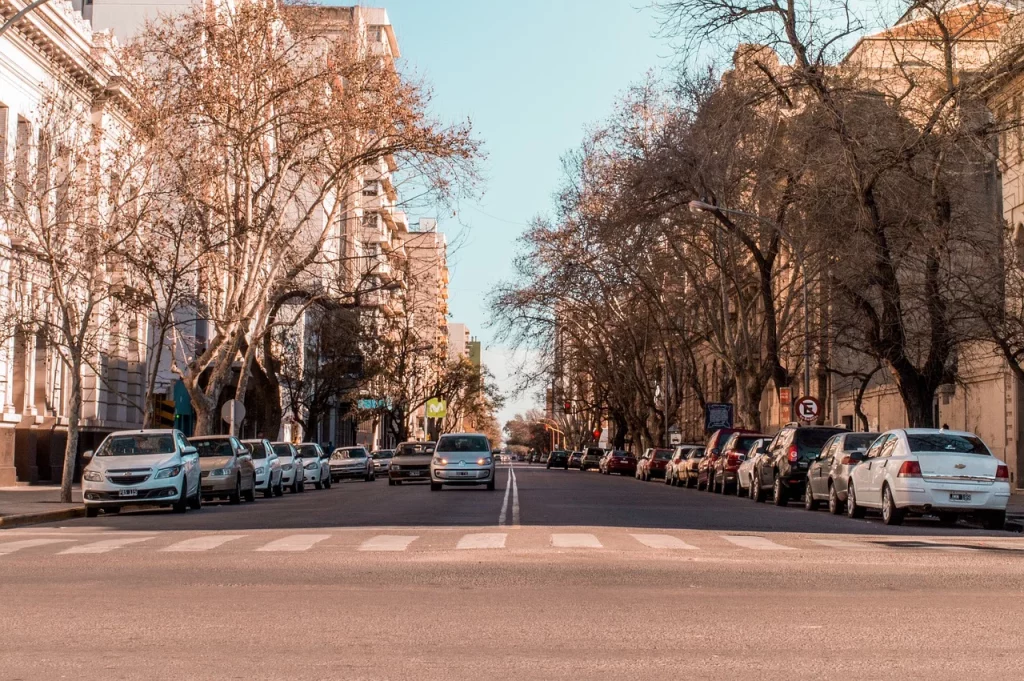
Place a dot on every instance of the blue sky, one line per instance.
(531, 75)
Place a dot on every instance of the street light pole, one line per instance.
(702, 206)
(20, 13)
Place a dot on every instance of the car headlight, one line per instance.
(221, 472)
(93, 476)
(286, 467)
(483, 461)
(312, 466)
(440, 461)
(260, 470)
(172, 472)
(395, 467)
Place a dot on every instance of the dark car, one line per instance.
(618, 461)
(705, 469)
(784, 469)
(559, 458)
(653, 463)
(734, 452)
(411, 462)
(828, 478)
(591, 458)
(574, 460)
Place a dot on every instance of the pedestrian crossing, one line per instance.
(15, 543)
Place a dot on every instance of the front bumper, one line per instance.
(924, 496)
(222, 484)
(149, 492)
(340, 473)
(462, 475)
(311, 475)
(288, 476)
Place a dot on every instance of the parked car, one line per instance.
(559, 458)
(618, 461)
(829, 474)
(653, 464)
(462, 459)
(574, 460)
(784, 469)
(352, 462)
(292, 475)
(150, 467)
(315, 466)
(758, 448)
(411, 462)
(227, 468)
(268, 467)
(691, 466)
(675, 469)
(591, 458)
(713, 449)
(382, 460)
(727, 465)
(947, 473)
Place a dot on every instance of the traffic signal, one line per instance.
(597, 433)
(568, 406)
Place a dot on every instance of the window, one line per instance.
(136, 445)
(947, 443)
(4, 112)
(371, 221)
(464, 443)
(22, 151)
(889, 446)
(371, 188)
(877, 446)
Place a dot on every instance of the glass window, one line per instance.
(136, 445)
(877, 446)
(414, 449)
(464, 443)
(889, 446)
(283, 449)
(308, 451)
(213, 446)
(947, 442)
(855, 442)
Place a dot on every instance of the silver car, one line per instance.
(268, 467)
(462, 459)
(745, 473)
(382, 460)
(292, 475)
(352, 462)
(315, 465)
(227, 468)
(828, 478)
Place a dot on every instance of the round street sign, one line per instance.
(233, 408)
(807, 409)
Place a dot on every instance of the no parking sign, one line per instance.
(807, 409)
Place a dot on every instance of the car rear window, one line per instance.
(808, 438)
(743, 443)
(662, 454)
(414, 449)
(858, 441)
(947, 442)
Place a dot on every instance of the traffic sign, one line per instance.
(807, 409)
(717, 415)
(437, 408)
(233, 412)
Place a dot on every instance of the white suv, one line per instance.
(142, 467)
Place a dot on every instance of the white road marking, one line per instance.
(483, 540)
(747, 541)
(105, 546)
(845, 545)
(388, 542)
(12, 546)
(515, 499)
(295, 542)
(203, 543)
(575, 541)
(504, 504)
(662, 541)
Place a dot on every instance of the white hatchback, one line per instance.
(927, 471)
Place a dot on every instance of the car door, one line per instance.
(273, 463)
(189, 459)
(244, 459)
(768, 463)
(862, 475)
(880, 469)
(817, 475)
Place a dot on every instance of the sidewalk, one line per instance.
(37, 504)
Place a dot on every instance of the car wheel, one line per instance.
(318, 485)
(92, 511)
(197, 500)
(490, 485)
(948, 519)
(690, 482)
(435, 487)
(779, 495)
(835, 506)
(994, 520)
(279, 490)
(327, 482)
(181, 505)
(250, 494)
(810, 503)
(269, 491)
(890, 514)
(852, 509)
(236, 497)
(739, 487)
(295, 486)
(391, 483)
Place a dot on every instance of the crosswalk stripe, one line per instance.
(662, 541)
(11, 547)
(575, 541)
(845, 545)
(483, 540)
(748, 541)
(203, 543)
(105, 545)
(388, 542)
(294, 542)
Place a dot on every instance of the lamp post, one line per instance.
(553, 427)
(20, 13)
(702, 206)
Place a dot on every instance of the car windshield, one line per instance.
(218, 447)
(464, 443)
(947, 442)
(282, 449)
(855, 442)
(814, 438)
(256, 449)
(696, 454)
(308, 451)
(414, 449)
(357, 453)
(383, 454)
(662, 454)
(136, 445)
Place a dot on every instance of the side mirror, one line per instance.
(87, 455)
(188, 451)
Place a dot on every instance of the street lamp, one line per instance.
(703, 206)
(554, 429)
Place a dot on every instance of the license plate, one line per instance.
(128, 493)
(415, 474)
(462, 474)
(959, 497)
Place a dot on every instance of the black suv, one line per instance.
(558, 458)
(783, 469)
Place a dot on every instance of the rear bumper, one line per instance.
(621, 468)
(341, 474)
(418, 474)
(916, 495)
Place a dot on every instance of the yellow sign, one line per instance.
(436, 408)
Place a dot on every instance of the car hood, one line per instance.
(106, 463)
(210, 463)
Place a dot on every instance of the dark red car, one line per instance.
(653, 463)
(618, 461)
(734, 451)
(706, 467)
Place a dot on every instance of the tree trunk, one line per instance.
(150, 413)
(74, 416)
(919, 401)
(621, 429)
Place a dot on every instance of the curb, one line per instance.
(43, 517)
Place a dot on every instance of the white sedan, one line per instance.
(926, 471)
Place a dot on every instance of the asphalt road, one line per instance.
(600, 578)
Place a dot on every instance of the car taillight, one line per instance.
(734, 458)
(848, 461)
(1002, 472)
(909, 469)
(793, 456)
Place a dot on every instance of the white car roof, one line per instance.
(145, 431)
(932, 431)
